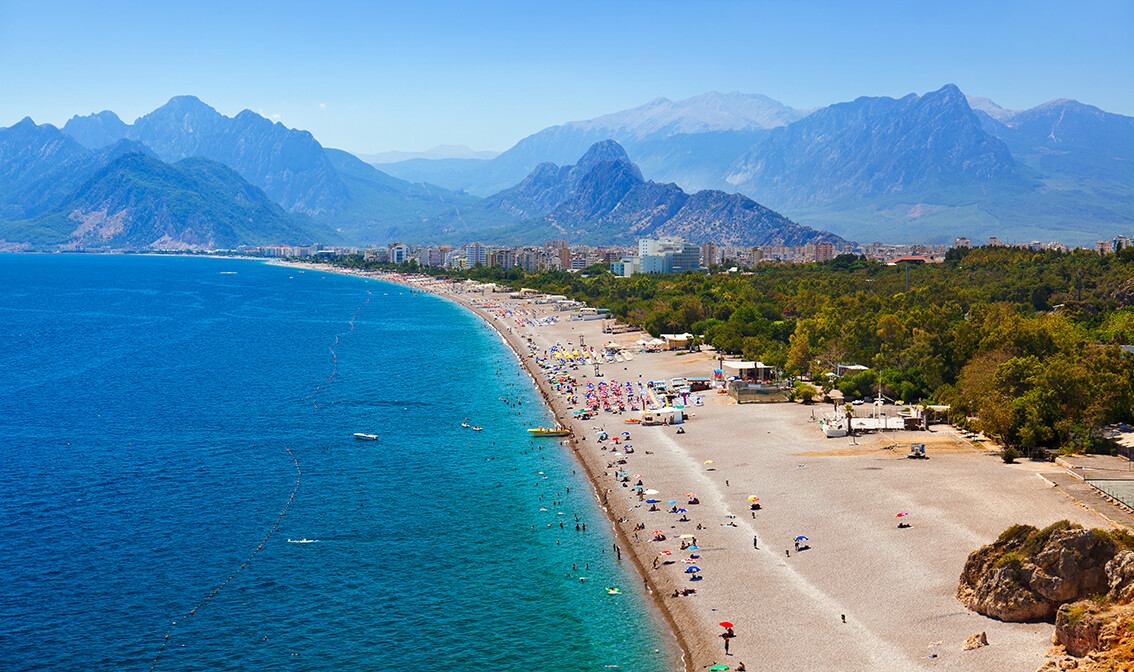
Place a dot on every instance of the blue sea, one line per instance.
(168, 424)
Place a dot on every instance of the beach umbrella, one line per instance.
(657, 532)
(686, 536)
(725, 624)
(651, 492)
(709, 462)
(753, 498)
(665, 552)
(717, 668)
(690, 494)
(801, 538)
(682, 510)
(652, 501)
(692, 570)
(689, 559)
(900, 515)
(672, 501)
(637, 475)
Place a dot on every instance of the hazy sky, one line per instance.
(375, 76)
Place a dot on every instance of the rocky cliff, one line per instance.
(1084, 578)
(1027, 574)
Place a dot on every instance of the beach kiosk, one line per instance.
(667, 415)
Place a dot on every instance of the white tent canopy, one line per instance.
(744, 366)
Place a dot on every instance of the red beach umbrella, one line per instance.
(726, 624)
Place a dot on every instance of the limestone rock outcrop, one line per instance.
(1027, 573)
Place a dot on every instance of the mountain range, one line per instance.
(603, 199)
(923, 168)
(102, 183)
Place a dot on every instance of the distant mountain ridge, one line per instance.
(874, 146)
(603, 199)
(649, 131)
(292, 168)
(923, 168)
(139, 202)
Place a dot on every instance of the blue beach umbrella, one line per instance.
(801, 539)
(693, 569)
(652, 501)
(672, 501)
(682, 510)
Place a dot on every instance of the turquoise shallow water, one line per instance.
(147, 408)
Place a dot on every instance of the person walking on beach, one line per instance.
(754, 542)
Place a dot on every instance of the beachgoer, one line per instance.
(754, 541)
(725, 636)
(741, 667)
(844, 618)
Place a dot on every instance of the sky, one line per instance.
(377, 76)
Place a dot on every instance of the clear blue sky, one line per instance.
(375, 76)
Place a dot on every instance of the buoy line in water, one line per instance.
(335, 357)
(203, 602)
(290, 499)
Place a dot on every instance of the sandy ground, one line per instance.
(895, 587)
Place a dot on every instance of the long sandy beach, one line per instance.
(863, 594)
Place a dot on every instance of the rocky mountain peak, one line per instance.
(96, 130)
(607, 150)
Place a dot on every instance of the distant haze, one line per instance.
(438, 152)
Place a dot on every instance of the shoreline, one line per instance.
(554, 404)
(867, 597)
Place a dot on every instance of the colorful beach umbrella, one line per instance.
(717, 668)
(900, 515)
(753, 498)
(665, 552)
(709, 462)
(692, 570)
